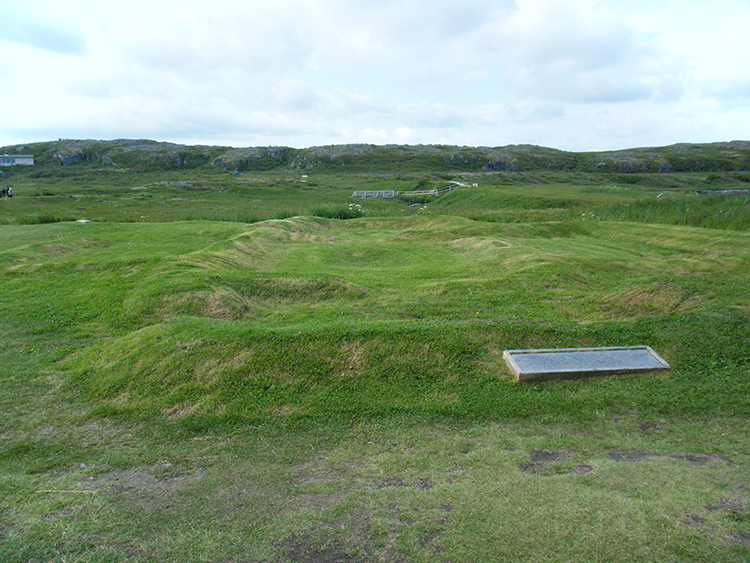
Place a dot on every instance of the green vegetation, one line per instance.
(719, 159)
(218, 367)
(342, 211)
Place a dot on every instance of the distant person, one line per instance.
(3, 192)
(10, 191)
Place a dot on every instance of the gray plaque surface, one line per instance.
(559, 363)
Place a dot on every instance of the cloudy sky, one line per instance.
(568, 74)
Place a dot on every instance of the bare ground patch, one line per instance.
(540, 459)
(348, 539)
(695, 459)
(301, 549)
(141, 485)
(706, 527)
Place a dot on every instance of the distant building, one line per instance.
(11, 159)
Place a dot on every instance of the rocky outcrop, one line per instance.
(501, 166)
(462, 159)
(151, 155)
(67, 159)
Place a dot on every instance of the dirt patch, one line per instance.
(140, 488)
(348, 539)
(738, 537)
(420, 483)
(630, 455)
(702, 459)
(139, 480)
(427, 538)
(730, 505)
(391, 482)
(695, 459)
(692, 519)
(301, 549)
(423, 484)
(706, 528)
(581, 469)
(539, 459)
(320, 470)
(648, 427)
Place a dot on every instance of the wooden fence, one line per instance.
(390, 194)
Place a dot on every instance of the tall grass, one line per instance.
(244, 217)
(338, 211)
(711, 211)
(43, 219)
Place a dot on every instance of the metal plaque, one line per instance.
(563, 363)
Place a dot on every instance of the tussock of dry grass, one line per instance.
(657, 298)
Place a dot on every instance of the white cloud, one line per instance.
(27, 28)
(577, 74)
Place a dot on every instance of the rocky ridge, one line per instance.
(152, 155)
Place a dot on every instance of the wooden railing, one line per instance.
(388, 194)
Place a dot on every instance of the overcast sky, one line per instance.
(569, 74)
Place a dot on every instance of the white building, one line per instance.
(11, 159)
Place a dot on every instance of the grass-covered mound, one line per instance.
(308, 316)
(295, 388)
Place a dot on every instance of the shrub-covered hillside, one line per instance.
(151, 155)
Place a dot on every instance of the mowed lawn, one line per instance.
(310, 389)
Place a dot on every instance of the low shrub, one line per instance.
(43, 219)
(338, 211)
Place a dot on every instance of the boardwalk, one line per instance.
(389, 194)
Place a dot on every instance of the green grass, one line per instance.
(56, 194)
(343, 316)
(341, 211)
(713, 211)
(197, 376)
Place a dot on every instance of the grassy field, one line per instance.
(210, 370)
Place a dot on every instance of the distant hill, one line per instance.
(356, 158)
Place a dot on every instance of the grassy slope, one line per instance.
(64, 194)
(341, 315)
(339, 386)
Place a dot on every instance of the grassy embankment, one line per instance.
(227, 390)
